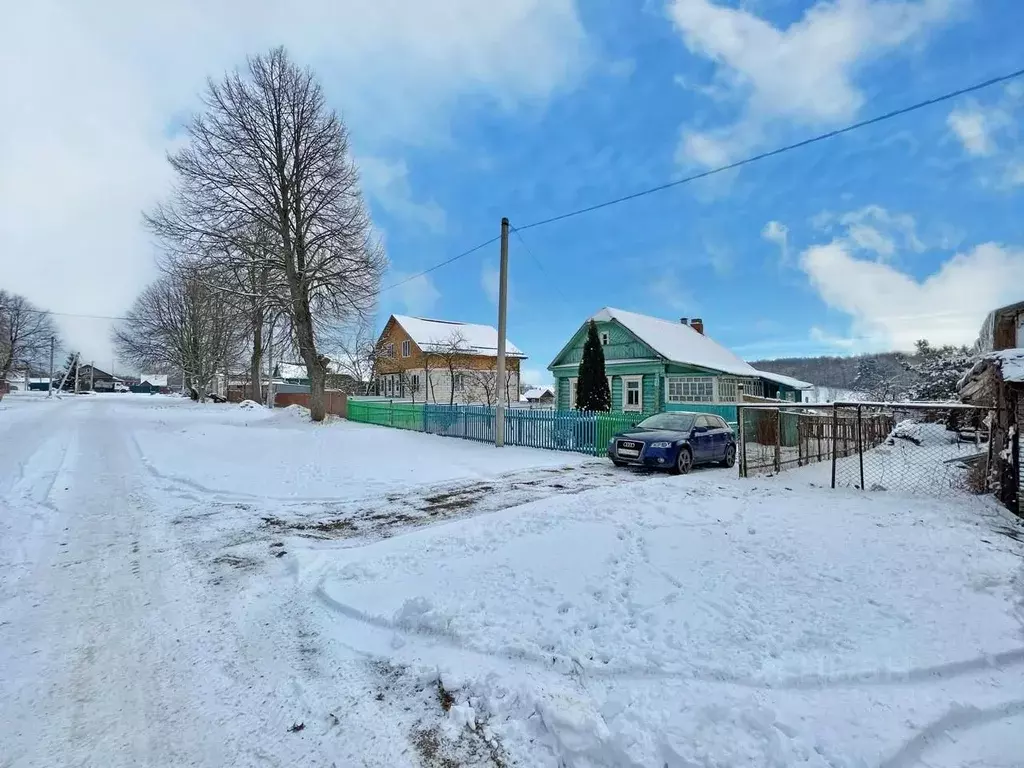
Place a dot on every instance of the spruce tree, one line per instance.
(592, 393)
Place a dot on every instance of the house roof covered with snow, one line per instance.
(434, 335)
(538, 392)
(298, 370)
(154, 379)
(678, 342)
(1009, 362)
(786, 381)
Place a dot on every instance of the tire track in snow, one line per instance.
(958, 719)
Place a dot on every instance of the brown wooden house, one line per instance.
(439, 361)
(997, 381)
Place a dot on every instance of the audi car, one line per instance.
(676, 441)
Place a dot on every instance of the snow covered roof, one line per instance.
(432, 335)
(538, 392)
(155, 379)
(786, 381)
(677, 342)
(298, 370)
(1009, 361)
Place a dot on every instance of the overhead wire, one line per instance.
(780, 150)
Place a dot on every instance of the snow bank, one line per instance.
(280, 454)
(679, 622)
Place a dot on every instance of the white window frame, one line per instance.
(406, 348)
(690, 389)
(639, 405)
(604, 338)
(458, 383)
(415, 383)
(572, 392)
(389, 350)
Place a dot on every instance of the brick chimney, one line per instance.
(698, 325)
(684, 320)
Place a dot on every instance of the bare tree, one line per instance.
(267, 156)
(180, 321)
(450, 352)
(355, 348)
(25, 333)
(485, 382)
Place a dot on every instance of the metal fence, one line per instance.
(579, 431)
(911, 447)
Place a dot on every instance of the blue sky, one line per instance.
(909, 190)
(462, 113)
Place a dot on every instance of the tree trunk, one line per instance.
(256, 362)
(316, 365)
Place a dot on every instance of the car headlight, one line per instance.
(661, 444)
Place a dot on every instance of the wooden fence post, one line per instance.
(778, 440)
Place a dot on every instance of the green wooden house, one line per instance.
(657, 365)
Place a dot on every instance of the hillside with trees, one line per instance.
(929, 373)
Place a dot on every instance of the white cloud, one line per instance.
(873, 228)
(418, 296)
(973, 129)
(892, 309)
(91, 95)
(387, 182)
(778, 233)
(831, 340)
(490, 281)
(668, 291)
(804, 72)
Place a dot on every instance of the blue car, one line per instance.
(676, 441)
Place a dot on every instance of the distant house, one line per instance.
(539, 395)
(295, 373)
(656, 365)
(91, 377)
(997, 382)
(440, 361)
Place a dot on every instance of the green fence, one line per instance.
(387, 414)
(579, 431)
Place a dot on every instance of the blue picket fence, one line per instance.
(580, 431)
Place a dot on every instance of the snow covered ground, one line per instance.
(213, 585)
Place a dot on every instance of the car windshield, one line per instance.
(678, 422)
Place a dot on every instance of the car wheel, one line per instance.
(730, 457)
(684, 462)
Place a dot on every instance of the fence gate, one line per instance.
(909, 447)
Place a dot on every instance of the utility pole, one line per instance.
(49, 383)
(499, 412)
(92, 376)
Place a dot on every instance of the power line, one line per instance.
(445, 263)
(540, 266)
(781, 150)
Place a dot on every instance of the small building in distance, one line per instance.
(540, 395)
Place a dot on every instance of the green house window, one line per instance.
(690, 389)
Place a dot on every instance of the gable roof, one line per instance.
(298, 370)
(677, 343)
(434, 335)
(786, 381)
(538, 392)
(154, 379)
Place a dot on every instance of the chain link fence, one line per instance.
(909, 447)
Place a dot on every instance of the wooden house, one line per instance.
(997, 381)
(440, 361)
(659, 365)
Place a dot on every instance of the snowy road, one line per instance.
(207, 586)
(104, 626)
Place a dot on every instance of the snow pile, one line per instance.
(249, 404)
(921, 433)
(688, 622)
